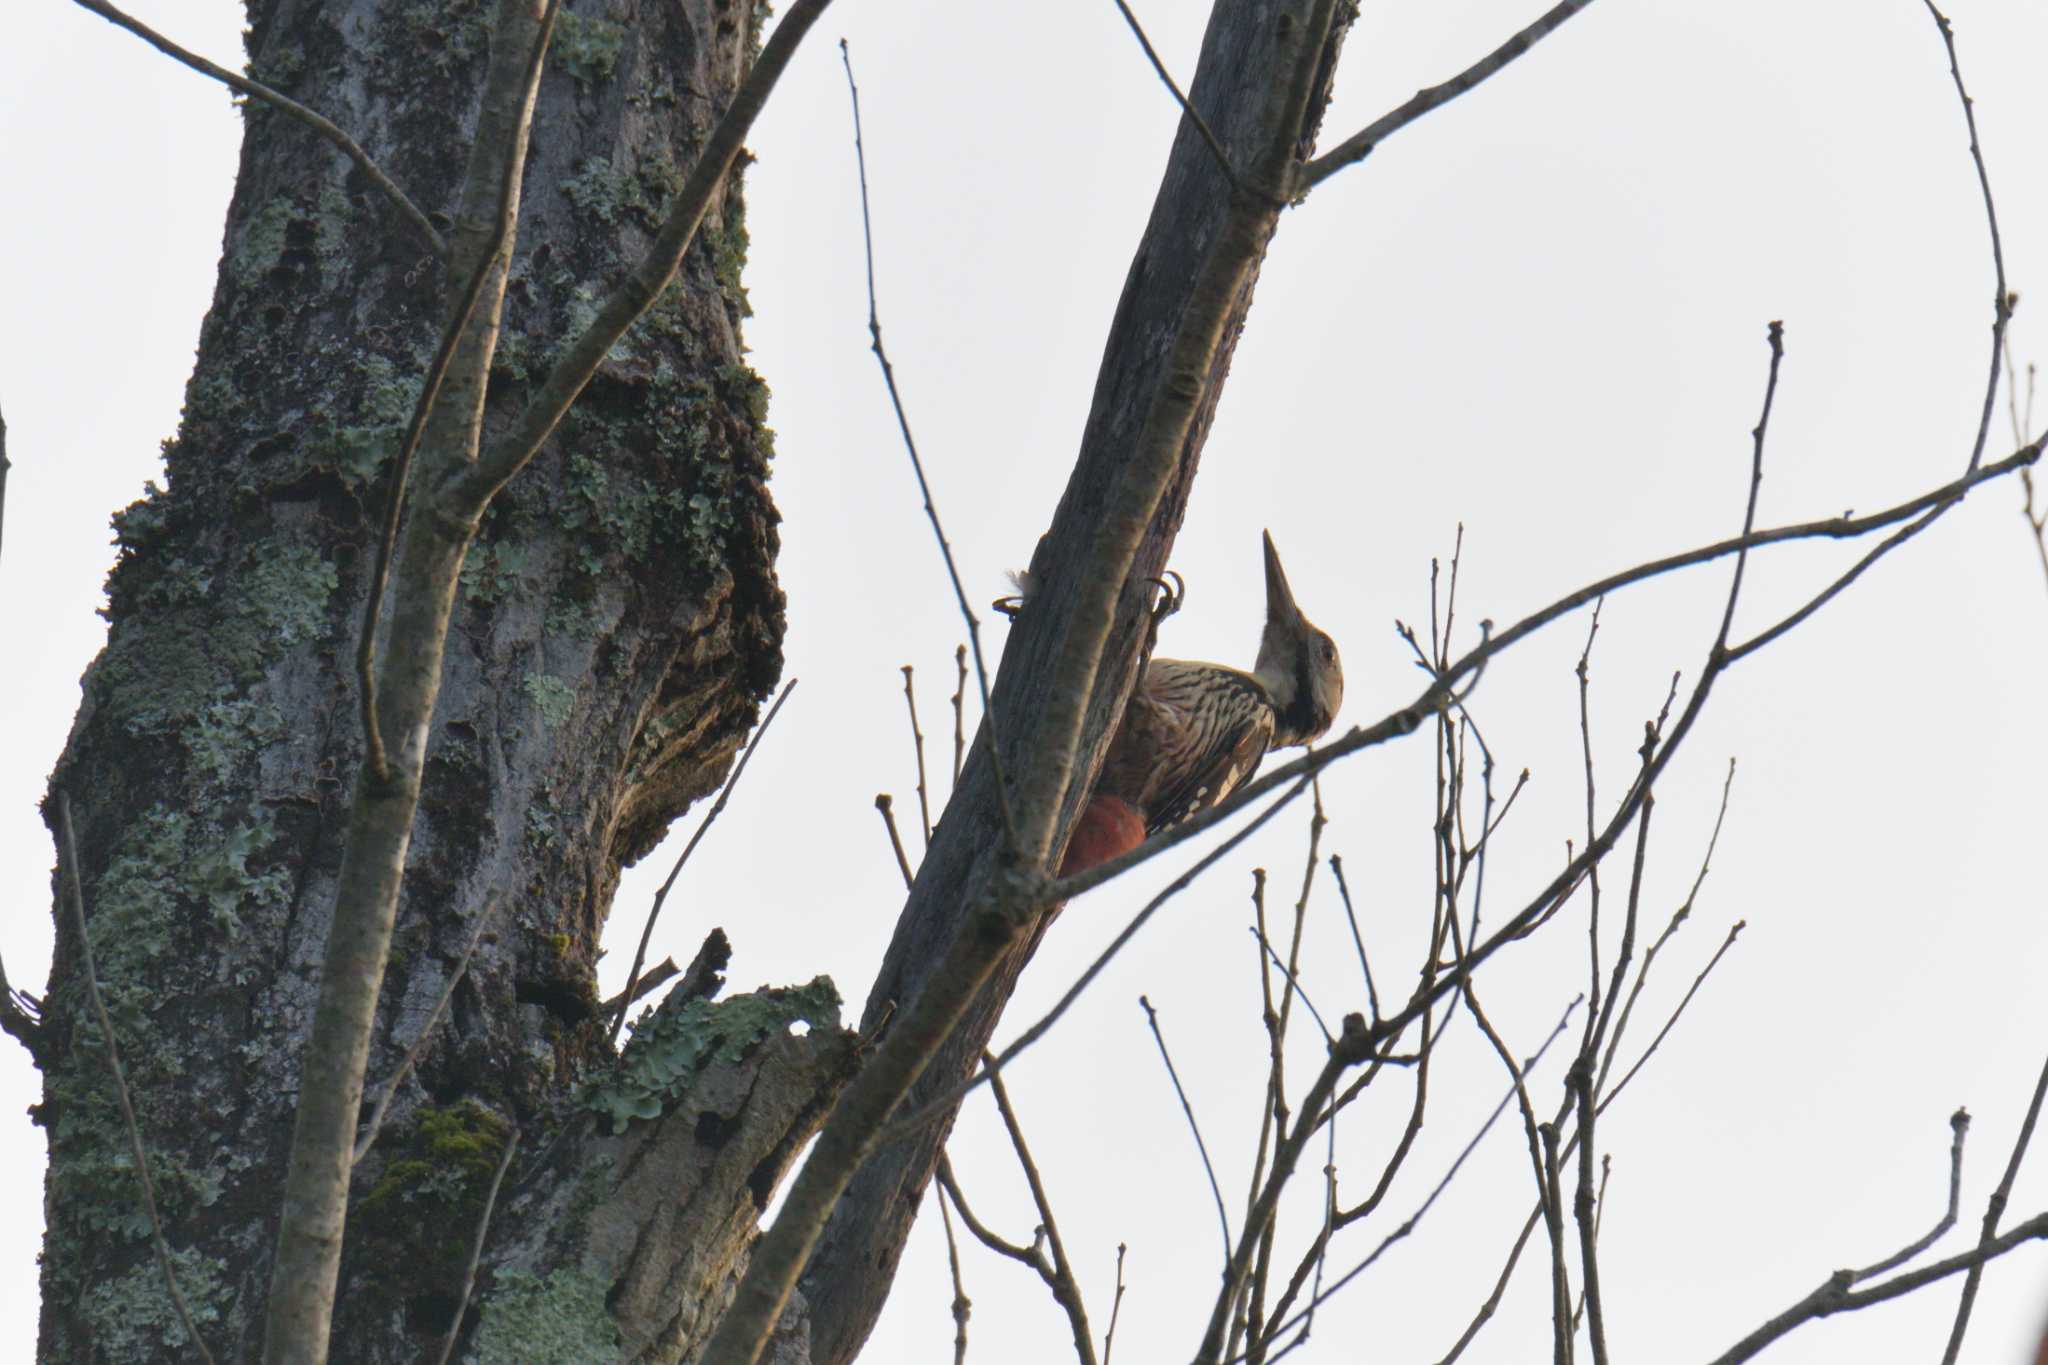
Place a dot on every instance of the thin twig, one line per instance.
(1372, 994)
(994, 1241)
(1836, 1296)
(931, 511)
(886, 804)
(943, 1105)
(1584, 1204)
(1450, 1173)
(1992, 1213)
(1959, 1125)
(2001, 299)
(1672, 1022)
(1405, 721)
(1361, 144)
(1064, 1287)
(724, 795)
(1208, 1167)
(476, 1247)
(1293, 984)
(285, 104)
(962, 1305)
(1116, 1307)
(405, 1063)
(959, 711)
(924, 801)
(1187, 110)
(4, 467)
(76, 898)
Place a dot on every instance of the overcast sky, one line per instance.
(1540, 313)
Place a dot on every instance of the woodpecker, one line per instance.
(1194, 732)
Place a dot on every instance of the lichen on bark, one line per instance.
(209, 765)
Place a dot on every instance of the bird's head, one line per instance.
(1298, 664)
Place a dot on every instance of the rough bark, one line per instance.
(617, 623)
(850, 1271)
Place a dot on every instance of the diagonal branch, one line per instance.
(1360, 144)
(350, 148)
(1192, 114)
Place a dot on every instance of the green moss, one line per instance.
(134, 1318)
(672, 1043)
(551, 696)
(559, 1320)
(417, 1221)
(586, 48)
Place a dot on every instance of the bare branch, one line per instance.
(994, 1241)
(1994, 1211)
(962, 1305)
(1208, 1167)
(724, 795)
(405, 1063)
(2001, 299)
(1404, 722)
(1361, 143)
(1372, 994)
(285, 104)
(1065, 1289)
(1187, 110)
(1115, 1308)
(1959, 1124)
(886, 804)
(959, 711)
(1450, 1173)
(75, 897)
(924, 487)
(924, 803)
(944, 1102)
(1835, 1295)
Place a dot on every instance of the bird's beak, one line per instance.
(1280, 607)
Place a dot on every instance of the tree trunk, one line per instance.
(618, 624)
(850, 1271)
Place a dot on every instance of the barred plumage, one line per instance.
(1194, 732)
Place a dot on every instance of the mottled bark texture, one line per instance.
(618, 623)
(851, 1268)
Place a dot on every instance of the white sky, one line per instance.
(1541, 313)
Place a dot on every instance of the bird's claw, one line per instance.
(1174, 595)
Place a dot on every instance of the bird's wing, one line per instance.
(1212, 726)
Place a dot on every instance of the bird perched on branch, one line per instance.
(1194, 732)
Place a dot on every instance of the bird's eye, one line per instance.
(1329, 651)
